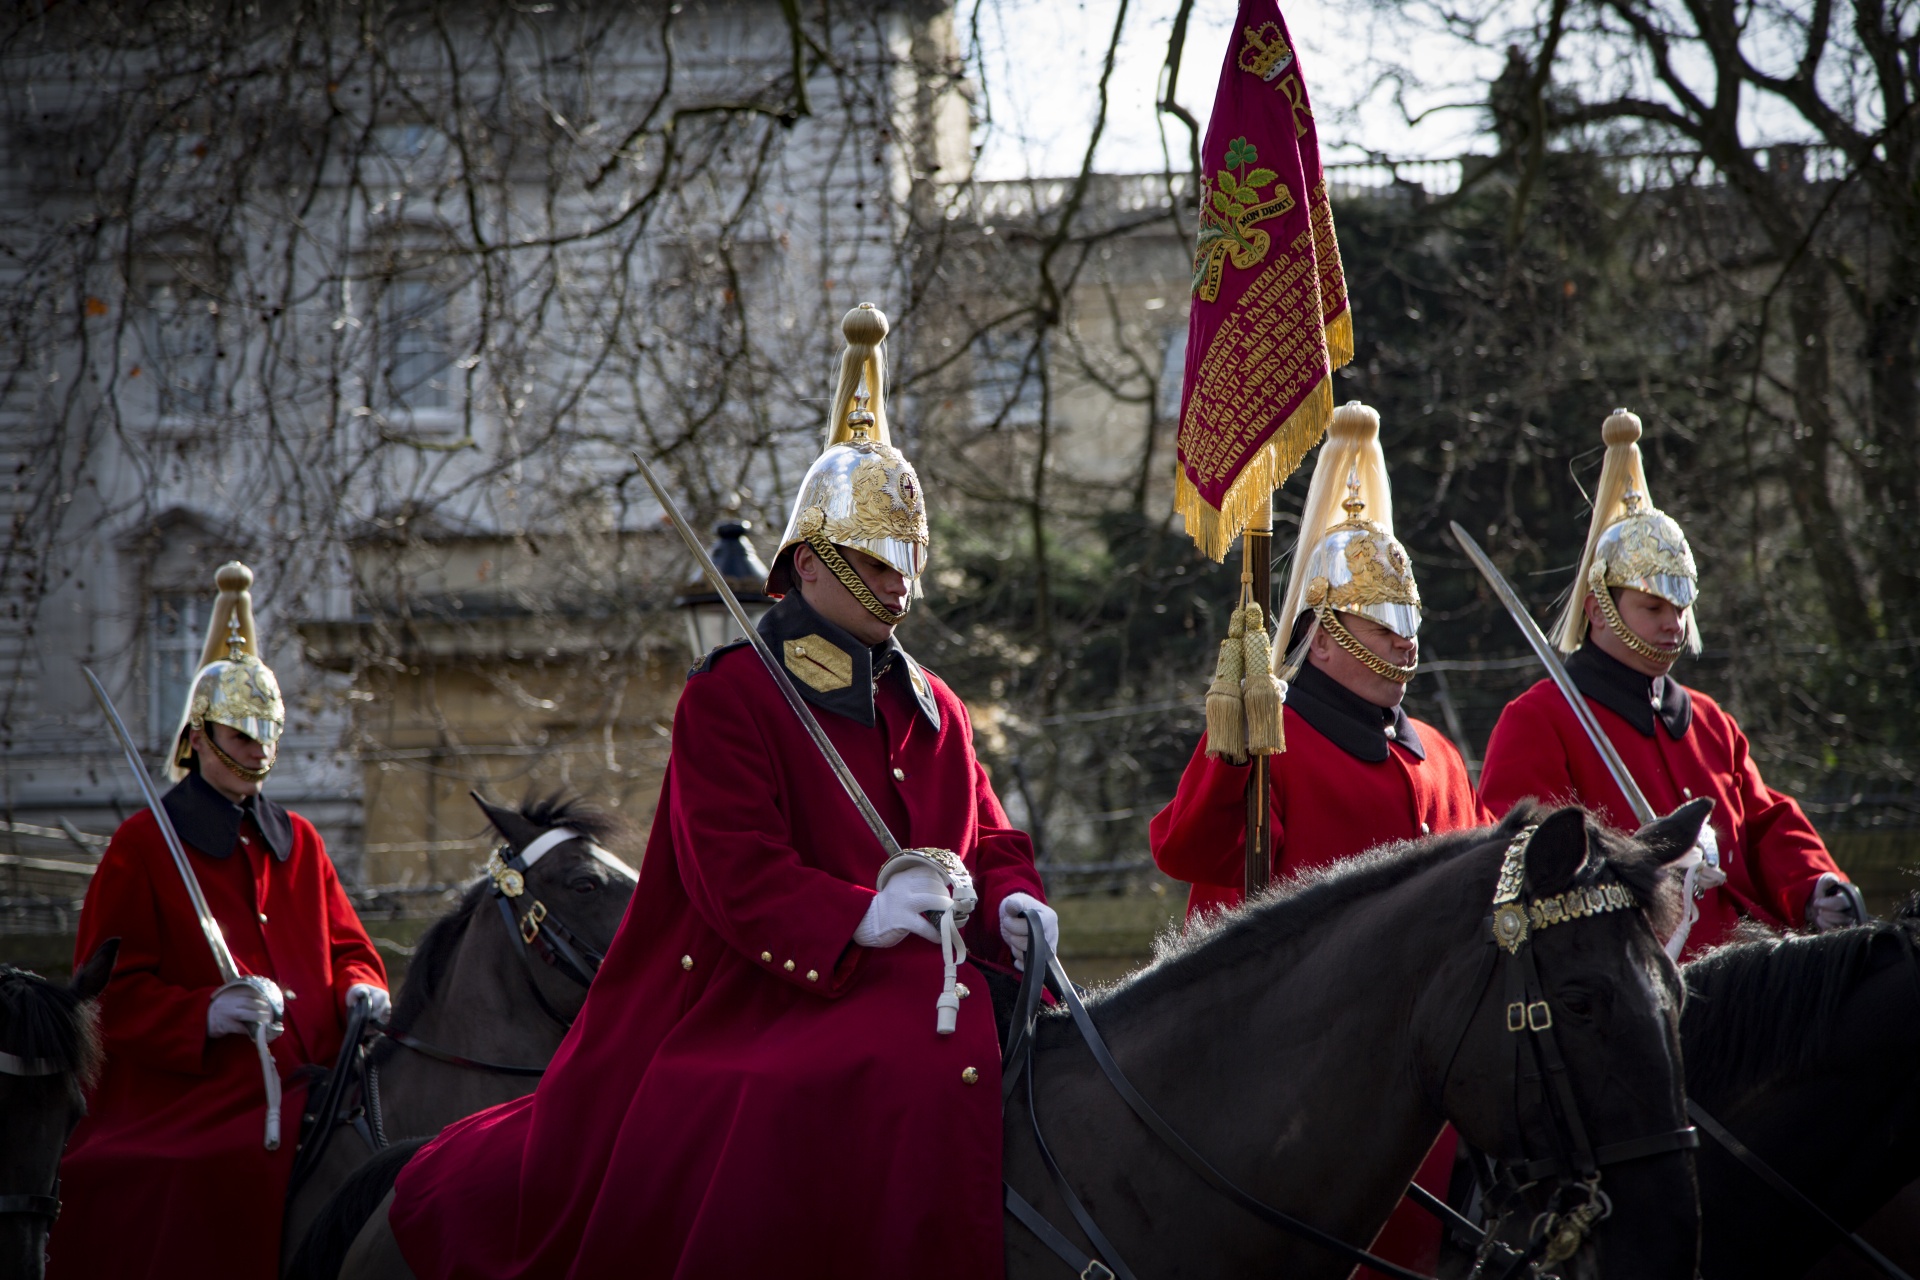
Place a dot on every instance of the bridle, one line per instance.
(538, 930)
(1575, 1165)
(1575, 1203)
(30, 1205)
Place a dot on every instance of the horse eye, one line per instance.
(584, 884)
(1578, 1003)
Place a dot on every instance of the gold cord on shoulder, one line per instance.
(1330, 621)
(850, 579)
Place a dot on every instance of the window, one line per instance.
(1173, 374)
(416, 364)
(182, 338)
(176, 628)
(1006, 379)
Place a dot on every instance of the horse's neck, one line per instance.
(1293, 1072)
(484, 1009)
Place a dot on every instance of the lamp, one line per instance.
(709, 623)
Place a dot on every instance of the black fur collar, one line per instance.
(1637, 699)
(1349, 721)
(210, 822)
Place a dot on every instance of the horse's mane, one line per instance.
(1764, 1007)
(1305, 901)
(41, 1019)
(436, 948)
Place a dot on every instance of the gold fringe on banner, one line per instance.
(1340, 340)
(1212, 528)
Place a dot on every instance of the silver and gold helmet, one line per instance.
(860, 492)
(1630, 543)
(233, 686)
(1361, 568)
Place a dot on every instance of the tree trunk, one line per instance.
(1807, 485)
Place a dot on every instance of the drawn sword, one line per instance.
(230, 974)
(1543, 650)
(888, 844)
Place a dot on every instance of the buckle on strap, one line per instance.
(1517, 1016)
(1539, 1016)
(1097, 1270)
(530, 922)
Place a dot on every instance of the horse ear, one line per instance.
(517, 830)
(1557, 851)
(1675, 835)
(92, 978)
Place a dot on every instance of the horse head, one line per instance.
(1567, 1071)
(49, 1054)
(565, 892)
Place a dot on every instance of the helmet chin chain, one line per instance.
(1330, 622)
(1603, 596)
(239, 770)
(856, 585)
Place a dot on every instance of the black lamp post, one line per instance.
(709, 623)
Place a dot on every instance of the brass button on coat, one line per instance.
(766, 957)
(788, 966)
(970, 1076)
(899, 774)
(813, 975)
(686, 962)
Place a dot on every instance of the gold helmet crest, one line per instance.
(233, 686)
(1347, 559)
(860, 492)
(1630, 543)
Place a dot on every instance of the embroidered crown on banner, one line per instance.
(1266, 53)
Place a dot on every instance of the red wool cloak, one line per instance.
(746, 1092)
(1770, 851)
(1327, 805)
(167, 1176)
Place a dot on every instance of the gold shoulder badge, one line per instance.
(819, 663)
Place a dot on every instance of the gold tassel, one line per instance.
(1264, 695)
(1226, 719)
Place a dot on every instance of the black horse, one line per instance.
(1313, 1044)
(1807, 1049)
(49, 1053)
(483, 1007)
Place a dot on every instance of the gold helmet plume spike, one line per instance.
(863, 362)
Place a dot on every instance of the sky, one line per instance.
(1042, 64)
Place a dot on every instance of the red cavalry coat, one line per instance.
(746, 1092)
(1327, 804)
(167, 1175)
(1771, 853)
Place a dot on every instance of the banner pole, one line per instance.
(1256, 552)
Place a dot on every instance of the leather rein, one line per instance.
(1575, 1164)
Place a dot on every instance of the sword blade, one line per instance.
(888, 845)
(1543, 649)
(216, 941)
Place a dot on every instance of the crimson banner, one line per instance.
(1269, 322)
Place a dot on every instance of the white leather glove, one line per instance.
(382, 1003)
(895, 910)
(1830, 907)
(234, 1010)
(1018, 933)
